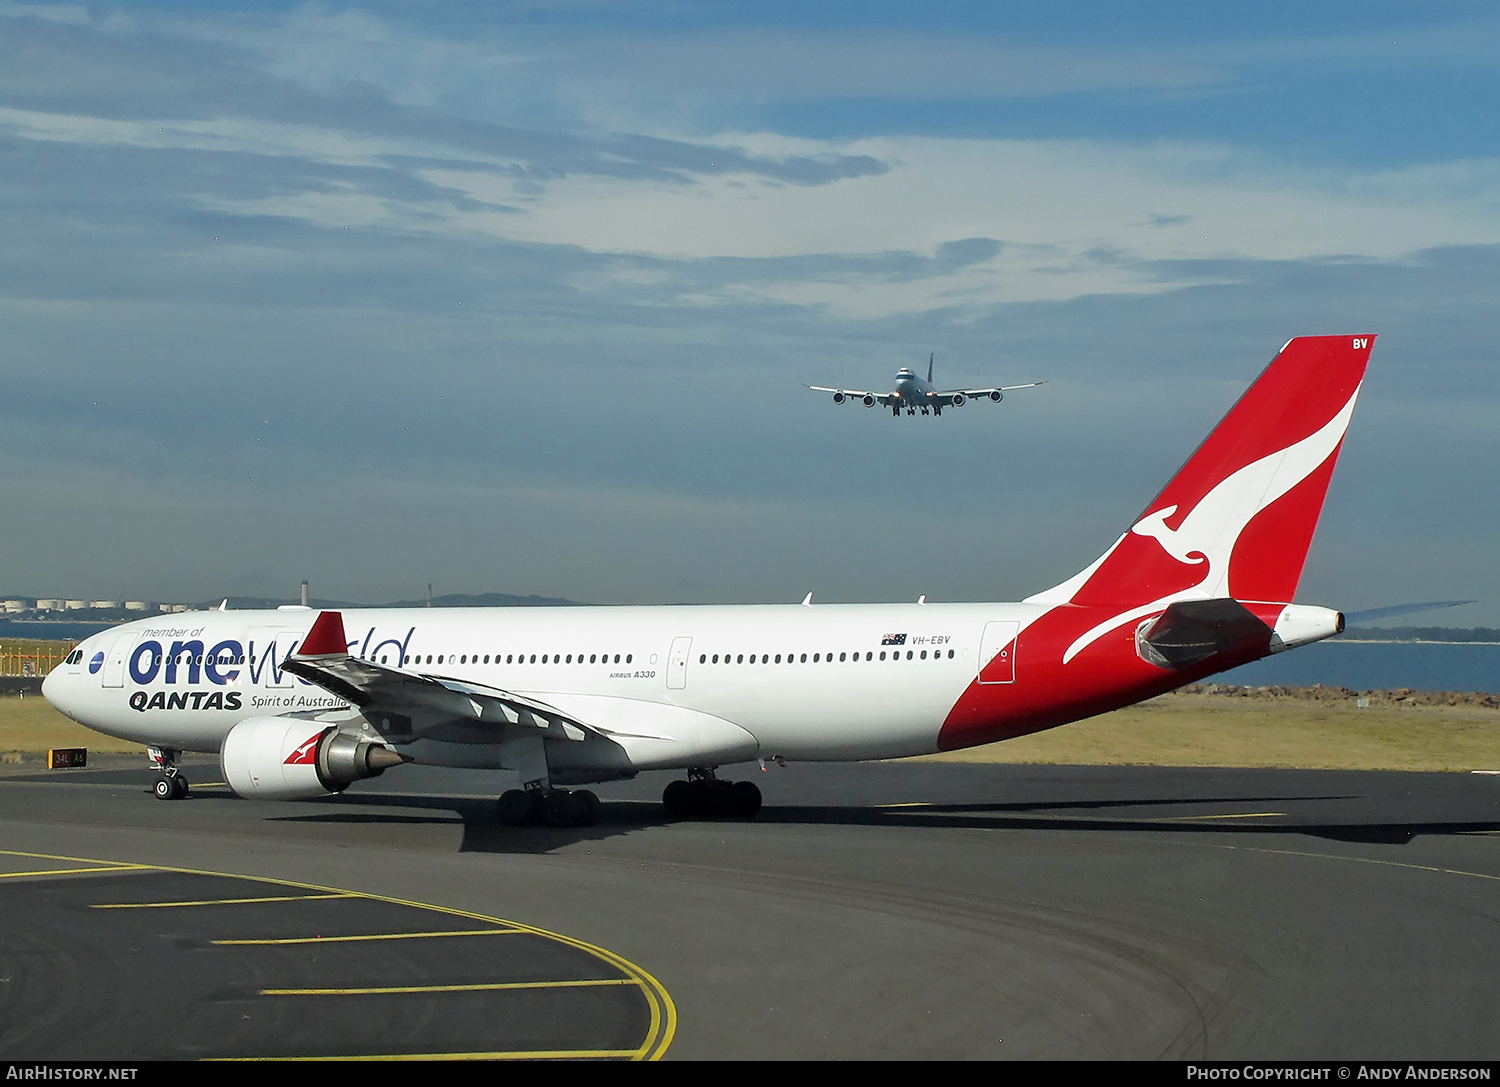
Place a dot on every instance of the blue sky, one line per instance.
(520, 298)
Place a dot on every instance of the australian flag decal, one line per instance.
(893, 639)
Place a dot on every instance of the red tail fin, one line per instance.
(1238, 517)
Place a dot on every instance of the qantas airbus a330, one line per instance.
(300, 705)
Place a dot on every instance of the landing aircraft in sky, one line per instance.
(301, 704)
(914, 394)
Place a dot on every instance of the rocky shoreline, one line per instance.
(1400, 696)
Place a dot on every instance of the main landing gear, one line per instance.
(170, 783)
(548, 807)
(703, 796)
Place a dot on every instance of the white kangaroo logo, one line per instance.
(1155, 526)
(1209, 532)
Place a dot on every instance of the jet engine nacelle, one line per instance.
(284, 758)
(959, 400)
(839, 398)
(997, 396)
(869, 401)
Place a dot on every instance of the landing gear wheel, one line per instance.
(710, 798)
(744, 797)
(514, 808)
(170, 787)
(680, 799)
(592, 809)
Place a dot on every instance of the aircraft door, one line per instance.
(268, 654)
(113, 672)
(997, 652)
(677, 663)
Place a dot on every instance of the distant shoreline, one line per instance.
(1404, 641)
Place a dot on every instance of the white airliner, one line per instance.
(914, 394)
(300, 703)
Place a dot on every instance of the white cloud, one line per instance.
(1075, 217)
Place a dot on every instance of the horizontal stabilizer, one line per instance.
(1191, 631)
(1370, 614)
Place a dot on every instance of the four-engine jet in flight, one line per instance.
(914, 394)
(301, 704)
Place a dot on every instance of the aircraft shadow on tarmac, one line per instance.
(483, 833)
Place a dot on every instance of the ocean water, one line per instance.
(74, 632)
(1364, 666)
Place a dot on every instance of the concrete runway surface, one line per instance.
(897, 910)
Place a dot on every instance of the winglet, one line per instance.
(326, 638)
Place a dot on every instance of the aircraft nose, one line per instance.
(52, 685)
(59, 689)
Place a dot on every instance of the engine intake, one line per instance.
(285, 758)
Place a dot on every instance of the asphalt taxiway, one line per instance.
(918, 910)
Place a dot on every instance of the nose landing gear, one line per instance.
(170, 783)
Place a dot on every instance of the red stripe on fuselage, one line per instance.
(1104, 676)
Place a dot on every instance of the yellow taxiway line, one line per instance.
(368, 936)
(214, 901)
(659, 1034)
(512, 1055)
(76, 871)
(478, 987)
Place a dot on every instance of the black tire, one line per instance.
(164, 789)
(680, 800)
(718, 799)
(590, 805)
(745, 797)
(557, 808)
(514, 808)
(179, 787)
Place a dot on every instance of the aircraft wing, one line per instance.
(323, 659)
(952, 396)
(840, 395)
